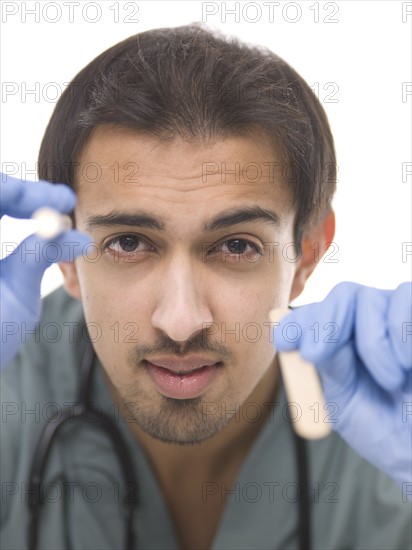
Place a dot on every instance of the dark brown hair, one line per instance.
(194, 83)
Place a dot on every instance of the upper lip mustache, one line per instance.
(182, 364)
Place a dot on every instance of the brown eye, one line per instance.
(237, 246)
(127, 244)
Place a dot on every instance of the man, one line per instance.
(204, 172)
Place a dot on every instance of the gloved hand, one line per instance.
(22, 270)
(365, 368)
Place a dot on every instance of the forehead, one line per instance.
(120, 168)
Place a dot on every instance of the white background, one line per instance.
(365, 54)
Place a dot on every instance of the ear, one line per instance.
(314, 245)
(71, 280)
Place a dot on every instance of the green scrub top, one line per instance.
(354, 506)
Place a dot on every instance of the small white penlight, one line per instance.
(50, 223)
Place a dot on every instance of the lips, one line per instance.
(183, 365)
(183, 378)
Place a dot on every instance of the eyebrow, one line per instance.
(243, 215)
(222, 221)
(122, 218)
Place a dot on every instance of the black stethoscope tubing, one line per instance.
(79, 411)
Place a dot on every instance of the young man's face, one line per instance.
(174, 286)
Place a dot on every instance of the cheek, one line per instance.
(243, 319)
(113, 319)
(244, 326)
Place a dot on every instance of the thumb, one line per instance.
(23, 269)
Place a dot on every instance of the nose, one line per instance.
(181, 310)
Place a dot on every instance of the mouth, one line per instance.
(182, 379)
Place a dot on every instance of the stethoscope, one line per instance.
(108, 425)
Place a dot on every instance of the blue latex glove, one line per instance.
(366, 372)
(23, 269)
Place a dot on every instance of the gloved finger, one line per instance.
(20, 199)
(365, 409)
(320, 328)
(372, 339)
(23, 269)
(400, 324)
(339, 377)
